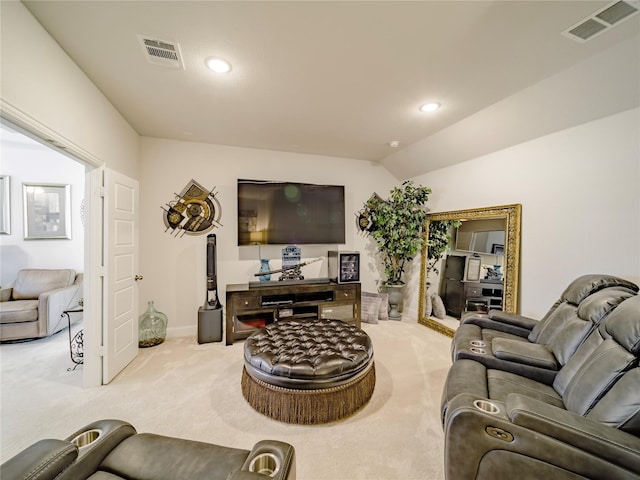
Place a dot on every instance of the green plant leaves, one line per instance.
(439, 241)
(397, 227)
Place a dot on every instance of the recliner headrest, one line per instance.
(585, 285)
(624, 324)
(598, 305)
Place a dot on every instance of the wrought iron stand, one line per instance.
(76, 344)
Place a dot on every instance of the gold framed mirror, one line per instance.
(511, 250)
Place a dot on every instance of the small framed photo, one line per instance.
(5, 204)
(497, 249)
(47, 211)
(474, 265)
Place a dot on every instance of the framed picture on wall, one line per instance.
(47, 210)
(474, 265)
(497, 249)
(5, 204)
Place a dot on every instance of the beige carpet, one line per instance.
(183, 389)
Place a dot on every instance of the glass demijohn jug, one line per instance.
(152, 326)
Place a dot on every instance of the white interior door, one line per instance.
(120, 322)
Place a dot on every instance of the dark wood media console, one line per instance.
(250, 308)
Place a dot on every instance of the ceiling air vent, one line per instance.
(602, 20)
(161, 52)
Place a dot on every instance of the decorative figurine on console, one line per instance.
(494, 273)
(195, 212)
(291, 263)
(266, 268)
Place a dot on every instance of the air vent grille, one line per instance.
(602, 20)
(587, 29)
(616, 12)
(161, 52)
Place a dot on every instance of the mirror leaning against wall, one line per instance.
(478, 268)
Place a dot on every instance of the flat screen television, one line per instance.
(289, 213)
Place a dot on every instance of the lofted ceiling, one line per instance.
(335, 78)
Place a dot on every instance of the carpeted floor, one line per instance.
(183, 389)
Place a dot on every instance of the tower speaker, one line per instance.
(210, 314)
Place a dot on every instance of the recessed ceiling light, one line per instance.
(218, 65)
(430, 107)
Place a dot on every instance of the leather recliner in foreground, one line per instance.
(585, 425)
(542, 361)
(113, 450)
(539, 348)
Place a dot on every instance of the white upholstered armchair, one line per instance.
(33, 307)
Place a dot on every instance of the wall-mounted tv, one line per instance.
(289, 213)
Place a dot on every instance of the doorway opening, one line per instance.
(82, 252)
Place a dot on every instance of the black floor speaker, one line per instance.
(210, 314)
(209, 325)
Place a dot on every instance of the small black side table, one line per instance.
(76, 345)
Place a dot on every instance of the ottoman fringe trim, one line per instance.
(308, 407)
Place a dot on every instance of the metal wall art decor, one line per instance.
(195, 211)
(363, 217)
(46, 211)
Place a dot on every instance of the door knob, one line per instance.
(138, 277)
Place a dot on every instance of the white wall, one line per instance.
(597, 87)
(580, 195)
(34, 163)
(174, 268)
(43, 90)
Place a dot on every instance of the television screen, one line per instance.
(287, 213)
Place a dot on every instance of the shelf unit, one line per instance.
(483, 296)
(249, 307)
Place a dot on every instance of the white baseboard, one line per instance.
(191, 331)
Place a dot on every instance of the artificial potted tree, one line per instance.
(396, 225)
(438, 242)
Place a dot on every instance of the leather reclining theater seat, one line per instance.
(112, 450)
(538, 349)
(585, 424)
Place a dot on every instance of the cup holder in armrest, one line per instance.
(481, 351)
(478, 343)
(265, 464)
(486, 406)
(86, 438)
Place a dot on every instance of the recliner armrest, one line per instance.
(596, 438)
(44, 460)
(484, 445)
(112, 433)
(485, 322)
(513, 319)
(281, 451)
(5, 294)
(526, 353)
(51, 305)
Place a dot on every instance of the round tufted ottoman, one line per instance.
(308, 371)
